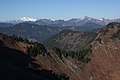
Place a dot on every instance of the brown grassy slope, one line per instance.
(15, 64)
(49, 62)
(10, 42)
(105, 55)
(12, 63)
(68, 66)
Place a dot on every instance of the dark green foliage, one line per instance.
(19, 39)
(81, 56)
(112, 24)
(40, 49)
(86, 60)
(36, 49)
(58, 52)
(33, 66)
(63, 76)
(117, 35)
(70, 40)
(14, 37)
(1, 43)
(61, 52)
(71, 53)
(26, 41)
(103, 31)
(31, 51)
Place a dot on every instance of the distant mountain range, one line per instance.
(42, 29)
(37, 32)
(62, 23)
(30, 31)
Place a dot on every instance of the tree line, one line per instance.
(80, 56)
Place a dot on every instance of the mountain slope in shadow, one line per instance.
(14, 65)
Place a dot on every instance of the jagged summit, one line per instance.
(27, 19)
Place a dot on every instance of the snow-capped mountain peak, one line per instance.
(87, 18)
(26, 19)
(70, 22)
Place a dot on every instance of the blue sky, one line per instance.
(58, 9)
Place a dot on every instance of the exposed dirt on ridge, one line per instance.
(105, 55)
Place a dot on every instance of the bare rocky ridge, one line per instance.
(105, 55)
